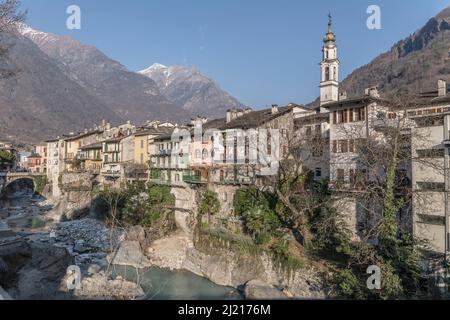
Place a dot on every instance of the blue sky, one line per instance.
(260, 51)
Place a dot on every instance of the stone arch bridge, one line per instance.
(6, 178)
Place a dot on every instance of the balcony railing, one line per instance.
(165, 152)
(237, 181)
(193, 179)
(110, 172)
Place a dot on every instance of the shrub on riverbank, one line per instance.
(137, 204)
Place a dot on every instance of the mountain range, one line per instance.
(37, 100)
(191, 91)
(57, 84)
(413, 65)
(54, 84)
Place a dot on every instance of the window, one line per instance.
(360, 178)
(363, 114)
(343, 146)
(224, 196)
(360, 114)
(392, 115)
(335, 146)
(351, 146)
(308, 131)
(431, 186)
(431, 153)
(430, 219)
(351, 116)
(198, 154)
(318, 172)
(205, 154)
(142, 158)
(318, 130)
(177, 177)
(357, 115)
(327, 73)
(345, 116)
(317, 148)
(430, 122)
(334, 117)
(142, 144)
(340, 175)
(352, 175)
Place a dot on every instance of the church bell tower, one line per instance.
(329, 84)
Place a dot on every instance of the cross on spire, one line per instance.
(329, 22)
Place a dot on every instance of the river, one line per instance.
(21, 207)
(159, 284)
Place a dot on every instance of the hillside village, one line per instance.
(350, 143)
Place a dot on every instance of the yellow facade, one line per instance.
(94, 165)
(73, 146)
(141, 149)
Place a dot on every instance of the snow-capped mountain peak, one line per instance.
(189, 89)
(36, 35)
(155, 66)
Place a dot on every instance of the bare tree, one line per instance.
(10, 15)
(10, 19)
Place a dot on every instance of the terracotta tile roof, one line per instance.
(96, 145)
(256, 118)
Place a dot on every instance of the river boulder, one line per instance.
(259, 290)
(130, 254)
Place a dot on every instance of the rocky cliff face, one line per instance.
(221, 265)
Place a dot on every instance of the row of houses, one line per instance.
(337, 136)
(110, 152)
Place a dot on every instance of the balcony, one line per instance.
(165, 152)
(238, 181)
(193, 179)
(111, 173)
(383, 123)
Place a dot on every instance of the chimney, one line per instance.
(274, 108)
(442, 88)
(108, 126)
(343, 95)
(372, 92)
(199, 121)
(231, 115)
